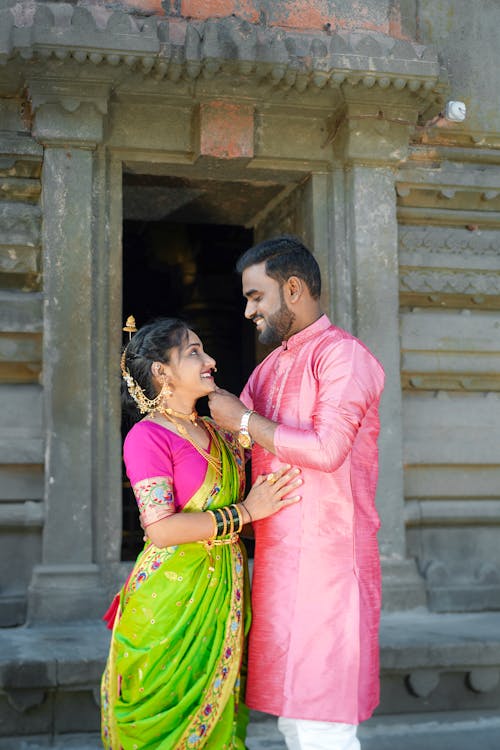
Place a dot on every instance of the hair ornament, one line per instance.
(130, 326)
(144, 404)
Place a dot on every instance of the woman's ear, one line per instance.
(160, 372)
(157, 369)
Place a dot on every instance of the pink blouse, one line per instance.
(164, 470)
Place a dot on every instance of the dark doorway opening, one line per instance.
(187, 270)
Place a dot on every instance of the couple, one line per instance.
(176, 675)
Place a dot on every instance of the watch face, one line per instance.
(244, 439)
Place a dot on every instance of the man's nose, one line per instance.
(249, 309)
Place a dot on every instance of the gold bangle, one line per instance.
(214, 520)
(240, 515)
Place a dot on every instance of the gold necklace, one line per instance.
(193, 417)
(214, 461)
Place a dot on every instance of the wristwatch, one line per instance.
(244, 438)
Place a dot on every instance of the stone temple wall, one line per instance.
(335, 108)
(21, 431)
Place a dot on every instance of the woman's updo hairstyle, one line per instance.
(152, 343)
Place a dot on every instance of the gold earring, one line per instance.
(166, 390)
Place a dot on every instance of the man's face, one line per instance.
(266, 305)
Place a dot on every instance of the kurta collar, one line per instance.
(307, 333)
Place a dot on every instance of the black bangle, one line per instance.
(236, 517)
(220, 520)
(229, 519)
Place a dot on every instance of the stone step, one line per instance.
(442, 731)
(431, 665)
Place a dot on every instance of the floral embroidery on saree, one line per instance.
(155, 499)
(149, 561)
(229, 662)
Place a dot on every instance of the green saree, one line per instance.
(173, 676)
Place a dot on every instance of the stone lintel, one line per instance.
(372, 138)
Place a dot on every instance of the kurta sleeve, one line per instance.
(148, 463)
(349, 383)
(246, 394)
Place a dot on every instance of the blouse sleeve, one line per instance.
(350, 382)
(148, 462)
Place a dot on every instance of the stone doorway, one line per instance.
(187, 270)
(181, 239)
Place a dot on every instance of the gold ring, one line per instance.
(270, 478)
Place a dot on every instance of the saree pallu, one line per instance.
(173, 676)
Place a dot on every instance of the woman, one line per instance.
(173, 674)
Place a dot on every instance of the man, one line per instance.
(313, 403)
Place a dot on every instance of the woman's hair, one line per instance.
(152, 343)
(284, 256)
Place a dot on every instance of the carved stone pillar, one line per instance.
(67, 583)
(366, 255)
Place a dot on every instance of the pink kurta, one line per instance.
(316, 588)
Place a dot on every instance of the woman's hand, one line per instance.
(268, 493)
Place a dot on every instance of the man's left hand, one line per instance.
(226, 409)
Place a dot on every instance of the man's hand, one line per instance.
(226, 409)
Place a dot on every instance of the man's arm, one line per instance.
(349, 382)
(227, 411)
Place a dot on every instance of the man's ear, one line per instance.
(294, 289)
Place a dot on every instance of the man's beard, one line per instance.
(278, 325)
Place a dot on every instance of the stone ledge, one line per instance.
(74, 654)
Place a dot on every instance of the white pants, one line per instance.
(303, 734)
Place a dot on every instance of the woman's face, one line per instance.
(191, 369)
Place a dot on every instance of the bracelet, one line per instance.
(214, 520)
(249, 514)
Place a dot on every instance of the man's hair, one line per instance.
(284, 256)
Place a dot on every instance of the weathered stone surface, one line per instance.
(189, 48)
(226, 130)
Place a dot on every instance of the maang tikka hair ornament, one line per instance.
(144, 404)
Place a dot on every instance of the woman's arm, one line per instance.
(264, 499)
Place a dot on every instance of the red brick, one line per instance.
(226, 130)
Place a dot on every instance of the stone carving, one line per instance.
(424, 239)
(192, 48)
(422, 682)
(448, 281)
(483, 679)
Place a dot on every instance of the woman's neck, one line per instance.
(180, 405)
